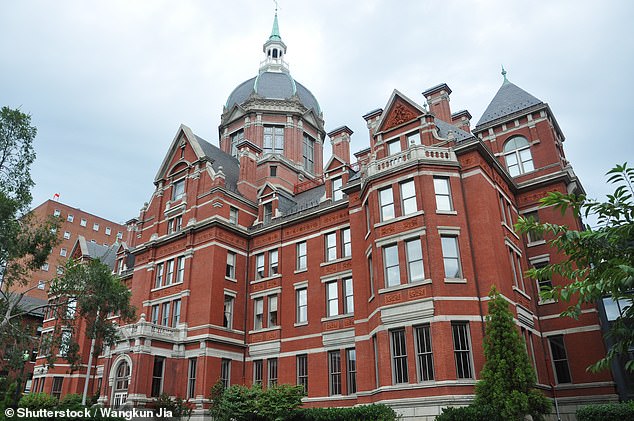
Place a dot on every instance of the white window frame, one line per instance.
(408, 203)
(442, 191)
(386, 204)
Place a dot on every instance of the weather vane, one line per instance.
(276, 5)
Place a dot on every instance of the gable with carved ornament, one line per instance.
(401, 112)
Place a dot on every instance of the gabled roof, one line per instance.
(508, 100)
(444, 128)
(206, 151)
(90, 250)
(399, 110)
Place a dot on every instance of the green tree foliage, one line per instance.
(599, 261)
(607, 412)
(507, 382)
(90, 292)
(25, 242)
(241, 403)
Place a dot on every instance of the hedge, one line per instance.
(607, 412)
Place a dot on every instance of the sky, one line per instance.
(108, 83)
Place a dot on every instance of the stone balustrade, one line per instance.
(413, 153)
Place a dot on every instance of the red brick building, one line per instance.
(255, 262)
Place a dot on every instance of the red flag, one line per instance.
(56, 196)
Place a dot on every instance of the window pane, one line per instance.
(414, 260)
(450, 257)
(392, 271)
(386, 200)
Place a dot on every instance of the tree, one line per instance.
(507, 382)
(599, 261)
(87, 294)
(25, 242)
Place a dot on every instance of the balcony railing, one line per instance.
(413, 153)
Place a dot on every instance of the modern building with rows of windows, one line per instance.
(367, 281)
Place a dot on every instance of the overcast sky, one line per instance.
(109, 82)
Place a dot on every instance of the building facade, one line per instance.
(367, 281)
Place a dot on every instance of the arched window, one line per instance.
(517, 154)
(121, 382)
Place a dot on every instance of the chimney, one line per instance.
(438, 101)
(248, 155)
(340, 141)
(462, 120)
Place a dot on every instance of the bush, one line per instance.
(178, 407)
(607, 412)
(471, 413)
(375, 412)
(37, 401)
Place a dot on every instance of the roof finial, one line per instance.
(504, 74)
(275, 32)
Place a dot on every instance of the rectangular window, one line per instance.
(83, 222)
(371, 274)
(394, 147)
(108, 230)
(259, 313)
(230, 271)
(392, 270)
(462, 350)
(95, 227)
(399, 357)
(348, 303)
(443, 194)
(272, 316)
(560, 359)
(157, 377)
(257, 372)
(331, 246)
(268, 212)
(408, 197)
(225, 372)
(351, 369)
(259, 266)
(272, 372)
(273, 170)
(175, 224)
(543, 285)
(227, 320)
(165, 314)
(414, 253)
(159, 275)
(64, 342)
(346, 243)
(236, 138)
(451, 256)
(302, 371)
(176, 313)
(413, 138)
(119, 235)
(533, 237)
(273, 262)
(56, 390)
(273, 139)
(191, 378)
(424, 356)
(155, 314)
(386, 202)
(332, 299)
(503, 209)
(66, 235)
(180, 271)
(41, 285)
(63, 252)
(178, 189)
(170, 272)
(57, 212)
(334, 373)
(302, 259)
(233, 215)
(308, 153)
(45, 267)
(337, 185)
(302, 305)
(70, 217)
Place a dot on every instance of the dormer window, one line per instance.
(268, 212)
(337, 185)
(517, 155)
(236, 138)
(178, 189)
(273, 139)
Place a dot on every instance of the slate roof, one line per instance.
(307, 199)
(444, 128)
(28, 304)
(106, 254)
(508, 100)
(230, 165)
(273, 85)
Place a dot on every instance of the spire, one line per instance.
(503, 74)
(275, 32)
(274, 50)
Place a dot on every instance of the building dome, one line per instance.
(273, 85)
